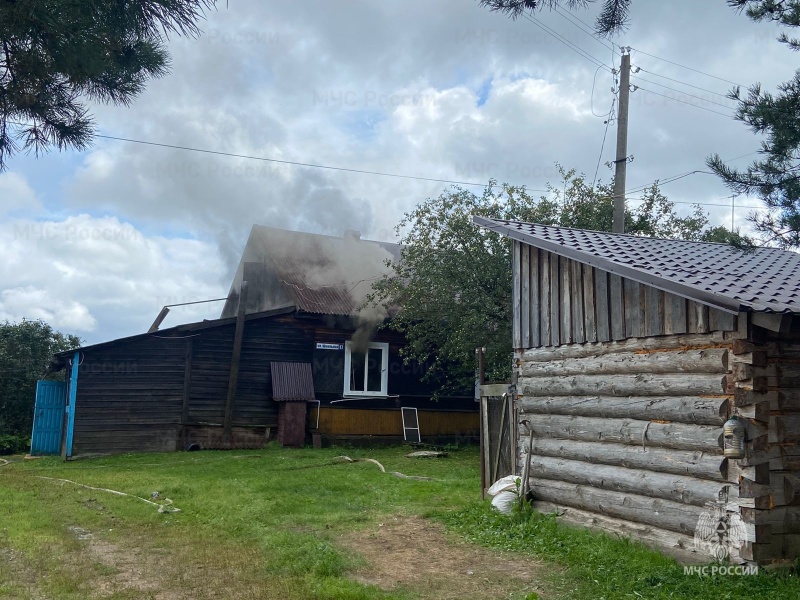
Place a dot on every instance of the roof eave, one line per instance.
(704, 297)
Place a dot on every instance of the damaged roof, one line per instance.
(762, 280)
(315, 273)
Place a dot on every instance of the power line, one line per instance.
(680, 91)
(603, 145)
(697, 87)
(569, 18)
(299, 164)
(684, 102)
(591, 96)
(574, 47)
(685, 67)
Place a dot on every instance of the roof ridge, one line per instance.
(631, 235)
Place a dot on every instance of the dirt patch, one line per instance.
(122, 569)
(415, 553)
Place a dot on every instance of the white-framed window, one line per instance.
(366, 371)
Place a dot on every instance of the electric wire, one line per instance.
(574, 47)
(569, 18)
(301, 164)
(697, 87)
(684, 102)
(672, 89)
(685, 67)
(603, 144)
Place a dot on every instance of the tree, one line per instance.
(56, 55)
(25, 352)
(612, 18)
(454, 280)
(775, 178)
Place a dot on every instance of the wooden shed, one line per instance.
(630, 354)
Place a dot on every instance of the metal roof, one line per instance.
(317, 273)
(291, 382)
(763, 279)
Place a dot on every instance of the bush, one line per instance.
(13, 444)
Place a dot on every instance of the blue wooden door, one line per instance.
(48, 417)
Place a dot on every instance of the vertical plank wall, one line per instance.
(561, 301)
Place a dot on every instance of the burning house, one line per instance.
(295, 355)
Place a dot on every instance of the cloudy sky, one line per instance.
(96, 242)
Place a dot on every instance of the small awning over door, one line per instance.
(292, 382)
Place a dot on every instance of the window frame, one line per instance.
(384, 391)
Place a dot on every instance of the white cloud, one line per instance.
(378, 86)
(16, 194)
(102, 276)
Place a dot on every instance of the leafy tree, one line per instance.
(454, 282)
(25, 352)
(775, 177)
(55, 55)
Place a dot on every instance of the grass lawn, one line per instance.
(280, 523)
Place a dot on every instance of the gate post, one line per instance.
(73, 395)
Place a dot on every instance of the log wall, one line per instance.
(623, 434)
(561, 301)
(767, 394)
(625, 389)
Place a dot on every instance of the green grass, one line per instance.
(598, 566)
(267, 519)
(270, 524)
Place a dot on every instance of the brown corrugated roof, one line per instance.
(292, 382)
(763, 280)
(317, 273)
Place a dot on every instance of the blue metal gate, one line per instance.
(48, 418)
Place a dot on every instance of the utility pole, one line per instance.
(621, 161)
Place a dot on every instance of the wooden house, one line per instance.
(631, 355)
(293, 354)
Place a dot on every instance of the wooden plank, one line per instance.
(637, 432)
(616, 305)
(555, 301)
(491, 390)
(187, 391)
(499, 451)
(673, 342)
(233, 377)
(535, 308)
(675, 516)
(724, 321)
(661, 460)
(589, 302)
(642, 384)
(676, 545)
(516, 319)
(674, 314)
(634, 325)
(701, 318)
(565, 300)
(578, 324)
(602, 310)
(544, 312)
(654, 311)
(708, 360)
(525, 296)
(678, 409)
(646, 481)
(485, 464)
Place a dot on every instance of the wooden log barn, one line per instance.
(631, 355)
(292, 356)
